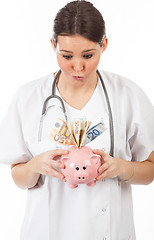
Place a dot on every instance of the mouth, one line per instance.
(77, 77)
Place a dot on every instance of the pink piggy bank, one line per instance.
(81, 166)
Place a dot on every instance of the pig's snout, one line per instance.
(81, 177)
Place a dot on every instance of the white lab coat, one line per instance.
(55, 212)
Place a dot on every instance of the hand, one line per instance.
(112, 167)
(46, 162)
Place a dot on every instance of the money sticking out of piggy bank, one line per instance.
(81, 166)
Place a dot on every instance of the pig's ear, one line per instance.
(64, 159)
(95, 158)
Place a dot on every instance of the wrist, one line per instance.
(32, 166)
(127, 172)
(132, 172)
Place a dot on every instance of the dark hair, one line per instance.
(79, 17)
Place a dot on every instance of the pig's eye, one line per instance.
(84, 167)
(77, 168)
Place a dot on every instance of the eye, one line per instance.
(68, 57)
(87, 56)
(77, 168)
(84, 167)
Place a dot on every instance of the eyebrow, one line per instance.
(82, 51)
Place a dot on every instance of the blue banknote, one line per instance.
(94, 132)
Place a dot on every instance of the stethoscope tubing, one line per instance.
(44, 110)
(110, 115)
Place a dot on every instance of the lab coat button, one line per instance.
(104, 238)
(104, 210)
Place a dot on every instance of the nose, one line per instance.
(78, 65)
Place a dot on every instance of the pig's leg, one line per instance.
(91, 184)
(72, 185)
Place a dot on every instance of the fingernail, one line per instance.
(62, 166)
(63, 179)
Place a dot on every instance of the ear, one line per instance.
(95, 158)
(104, 45)
(64, 159)
(53, 44)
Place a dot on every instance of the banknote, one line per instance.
(94, 132)
(76, 132)
(78, 128)
(61, 134)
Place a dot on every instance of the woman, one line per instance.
(53, 210)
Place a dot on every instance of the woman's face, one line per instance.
(78, 57)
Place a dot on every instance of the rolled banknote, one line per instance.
(94, 132)
(78, 131)
(78, 128)
(85, 126)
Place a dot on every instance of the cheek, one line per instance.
(64, 65)
(93, 64)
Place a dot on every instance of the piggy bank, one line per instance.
(81, 166)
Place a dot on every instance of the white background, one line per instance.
(26, 54)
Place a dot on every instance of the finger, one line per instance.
(103, 167)
(54, 164)
(57, 174)
(100, 152)
(58, 152)
(57, 157)
(102, 175)
(54, 173)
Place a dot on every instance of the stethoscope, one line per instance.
(53, 95)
